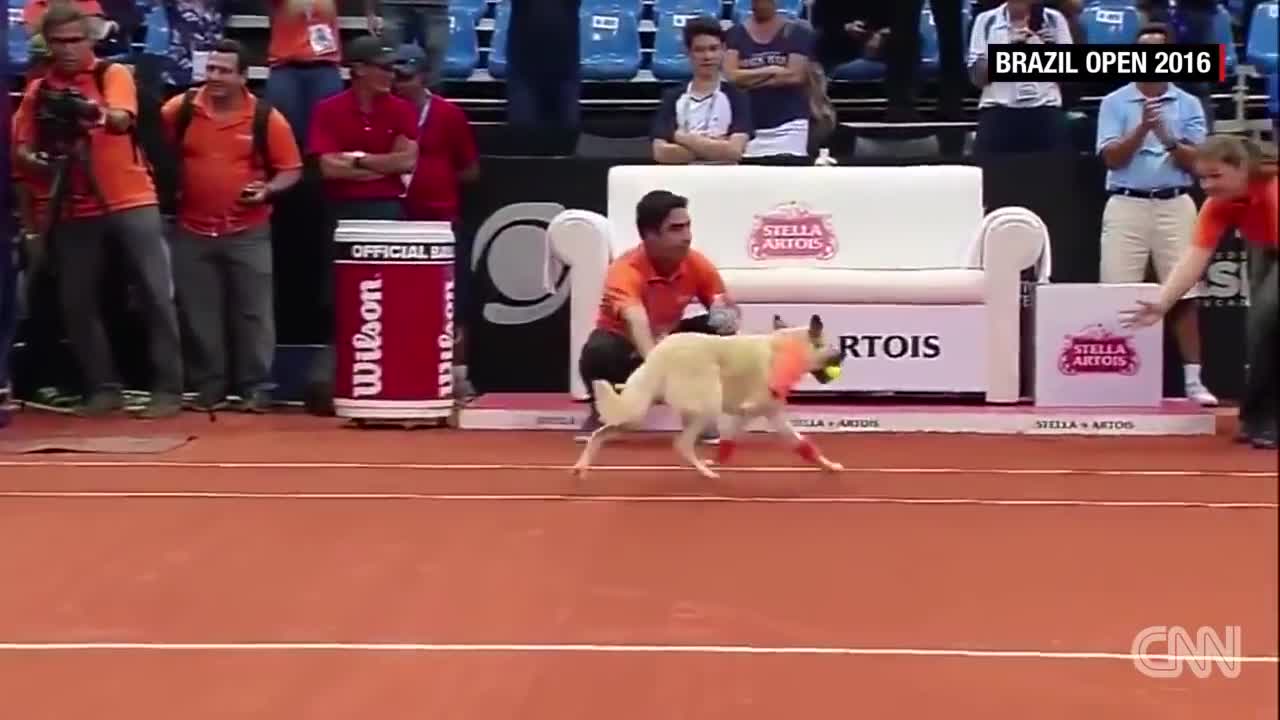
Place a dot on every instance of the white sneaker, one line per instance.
(1200, 394)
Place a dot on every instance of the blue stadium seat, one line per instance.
(1110, 24)
(610, 6)
(1273, 96)
(17, 39)
(498, 41)
(860, 70)
(1261, 45)
(610, 42)
(670, 61)
(930, 53)
(157, 39)
(475, 6)
(463, 54)
(714, 8)
(1222, 35)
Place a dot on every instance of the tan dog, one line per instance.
(701, 376)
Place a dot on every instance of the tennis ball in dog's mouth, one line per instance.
(832, 372)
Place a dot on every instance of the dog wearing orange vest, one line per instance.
(703, 376)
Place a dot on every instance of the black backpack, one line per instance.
(261, 114)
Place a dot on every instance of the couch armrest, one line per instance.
(580, 240)
(1009, 241)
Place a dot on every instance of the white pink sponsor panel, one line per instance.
(1083, 355)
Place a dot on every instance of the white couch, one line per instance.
(920, 288)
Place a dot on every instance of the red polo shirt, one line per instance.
(338, 125)
(446, 147)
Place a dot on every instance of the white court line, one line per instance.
(586, 497)
(266, 465)
(600, 648)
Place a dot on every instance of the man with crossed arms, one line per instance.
(1147, 135)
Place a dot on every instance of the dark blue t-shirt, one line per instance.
(774, 106)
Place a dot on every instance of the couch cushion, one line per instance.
(838, 217)
(857, 287)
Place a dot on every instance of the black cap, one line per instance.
(411, 58)
(369, 50)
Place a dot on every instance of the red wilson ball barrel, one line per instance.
(394, 325)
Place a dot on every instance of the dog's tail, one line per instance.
(630, 405)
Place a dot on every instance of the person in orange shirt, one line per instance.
(222, 246)
(1239, 180)
(109, 190)
(646, 293)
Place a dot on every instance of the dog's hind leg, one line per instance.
(802, 446)
(594, 443)
(686, 443)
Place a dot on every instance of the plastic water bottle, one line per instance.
(825, 159)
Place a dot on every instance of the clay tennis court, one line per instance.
(283, 568)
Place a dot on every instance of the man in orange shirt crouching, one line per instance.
(646, 292)
(235, 154)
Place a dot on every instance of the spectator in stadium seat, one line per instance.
(646, 292)
(305, 57)
(849, 31)
(365, 140)
(904, 59)
(447, 159)
(222, 246)
(768, 57)
(1239, 180)
(1147, 137)
(708, 120)
(1018, 117)
(424, 23)
(1189, 21)
(123, 204)
(543, 72)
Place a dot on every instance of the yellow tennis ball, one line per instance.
(832, 372)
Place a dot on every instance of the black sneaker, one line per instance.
(257, 402)
(1264, 437)
(100, 403)
(161, 405)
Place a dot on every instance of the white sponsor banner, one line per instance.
(1084, 358)
(903, 348)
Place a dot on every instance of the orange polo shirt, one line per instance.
(308, 35)
(218, 160)
(631, 280)
(1254, 215)
(119, 166)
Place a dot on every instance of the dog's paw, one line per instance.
(830, 466)
(708, 473)
(579, 471)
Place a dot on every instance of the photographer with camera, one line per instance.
(75, 127)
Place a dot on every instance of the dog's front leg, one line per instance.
(594, 443)
(729, 438)
(686, 440)
(802, 446)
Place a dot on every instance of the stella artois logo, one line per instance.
(792, 231)
(1098, 350)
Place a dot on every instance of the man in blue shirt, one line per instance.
(1147, 136)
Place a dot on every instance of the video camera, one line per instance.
(61, 116)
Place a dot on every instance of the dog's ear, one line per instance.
(777, 322)
(815, 326)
